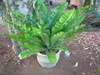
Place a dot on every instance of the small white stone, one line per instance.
(76, 64)
(4, 37)
(90, 64)
(8, 46)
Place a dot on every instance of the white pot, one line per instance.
(44, 62)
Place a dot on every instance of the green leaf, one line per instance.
(14, 36)
(45, 39)
(13, 23)
(27, 35)
(27, 53)
(35, 41)
(18, 16)
(61, 24)
(46, 15)
(25, 45)
(70, 33)
(42, 26)
(36, 31)
(31, 46)
(51, 56)
(67, 16)
(55, 14)
(18, 36)
(77, 28)
(59, 37)
(39, 7)
(83, 9)
(42, 21)
(34, 13)
(62, 48)
(78, 20)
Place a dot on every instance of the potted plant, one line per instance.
(44, 31)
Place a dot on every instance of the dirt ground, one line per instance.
(80, 62)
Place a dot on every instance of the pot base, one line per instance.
(44, 62)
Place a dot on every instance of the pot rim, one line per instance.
(46, 55)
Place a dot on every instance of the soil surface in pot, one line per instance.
(44, 52)
(80, 61)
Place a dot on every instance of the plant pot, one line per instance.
(44, 62)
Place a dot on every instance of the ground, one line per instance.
(80, 61)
